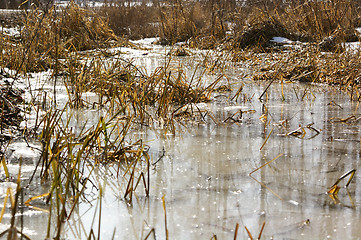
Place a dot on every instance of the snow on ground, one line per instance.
(10, 31)
(281, 40)
(145, 41)
(349, 46)
(147, 46)
(22, 150)
(352, 46)
(287, 43)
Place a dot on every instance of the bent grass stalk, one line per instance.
(261, 183)
(28, 202)
(260, 233)
(264, 143)
(150, 232)
(335, 188)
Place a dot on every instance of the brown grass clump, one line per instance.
(310, 65)
(172, 21)
(311, 21)
(83, 30)
(146, 96)
(49, 35)
(197, 22)
(133, 21)
(179, 52)
(10, 114)
(319, 19)
(72, 28)
(260, 34)
(206, 24)
(176, 22)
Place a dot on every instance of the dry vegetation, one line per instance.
(53, 39)
(323, 25)
(47, 36)
(250, 24)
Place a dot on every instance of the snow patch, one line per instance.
(352, 46)
(145, 41)
(281, 40)
(10, 31)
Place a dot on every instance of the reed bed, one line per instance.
(205, 24)
(151, 98)
(47, 36)
(63, 41)
(323, 26)
(132, 21)
(67, 161)
(172, 21)
(311, 65)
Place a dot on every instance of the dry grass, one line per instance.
(308, 64)
(204, 24)
(147, 97)
(10, 114)
(209, 20)
(53, 39)
(172, 21)
(47, 36)
(131, 21)
(319, 19)
(310, 21)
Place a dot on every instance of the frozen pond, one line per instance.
(203, 172)
(204, 177)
